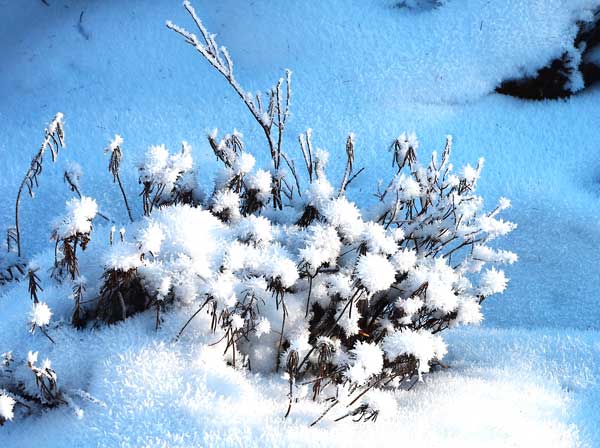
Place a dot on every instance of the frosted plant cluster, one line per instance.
(295, 277)
(356, 296)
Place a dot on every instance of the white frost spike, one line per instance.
(469, 174)
(40, 314)
(492, 282)
(469, 312)
(348, 321)
(340, 284)
(7, 405)
(163, 169)
(58, 121)
(244, 163)
(404, 260)
(375, 272)
(377, 240)
(322, 246)
(32, 358)
(285, 271)
(78, 219)
(227, 201)
(151, 238)
(344, 216)
(256, 229)
(407, 187)
(261, 181)
(116, 142)
(504, 203)
(164, 288)
(263, 327)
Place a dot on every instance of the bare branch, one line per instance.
(53, 133)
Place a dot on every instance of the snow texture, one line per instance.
(375, 69)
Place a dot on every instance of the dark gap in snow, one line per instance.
(419, 5)
(573, 71)
(81, 29)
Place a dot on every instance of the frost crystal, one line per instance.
(78, 219)
(322, 246)
(151, 238)
(244, 163)
(7, 405)
(492, 282)
(375, 272)
(40, 314)
(32, 358)
(263, 327)
(404, 260)
(366, 360)
(344, 216)
(117, 141)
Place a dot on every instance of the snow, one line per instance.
(345, 216)
(151, 238)
(539, 340)
(159, 391)
(261, 181)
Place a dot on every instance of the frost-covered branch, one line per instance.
(114, 166)
(54, 139)
(271, 113)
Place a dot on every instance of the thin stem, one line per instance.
(118, 178)
(325, 413)
(190, 319)
(46, 334)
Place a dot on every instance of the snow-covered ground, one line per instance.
(527, 377)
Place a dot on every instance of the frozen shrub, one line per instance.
(295, 277)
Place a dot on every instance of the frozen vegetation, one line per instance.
(256, 290)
